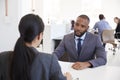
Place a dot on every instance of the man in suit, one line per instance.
(91, 54)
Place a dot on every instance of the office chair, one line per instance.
(108, 37)
(117, 36)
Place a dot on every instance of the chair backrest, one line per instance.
(117, 35)
(108, 36)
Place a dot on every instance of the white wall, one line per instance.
(70, 9)
(60, 11)
(52, 31)
(8, 25)
(111, 10)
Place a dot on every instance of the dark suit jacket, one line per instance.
(44, 67)
(117, 31)
(92, 50)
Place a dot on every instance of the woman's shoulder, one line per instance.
(42, 56)
(5, 58)
(5, 55)
(45, 55)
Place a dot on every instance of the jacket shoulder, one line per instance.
(5, 55)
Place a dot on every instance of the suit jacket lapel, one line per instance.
(85, 43)
(73, 45)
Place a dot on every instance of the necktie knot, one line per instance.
(79, 39)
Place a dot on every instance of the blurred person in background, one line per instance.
(101, 25)
(117, 29)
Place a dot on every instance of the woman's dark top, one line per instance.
(44, 67)
(117, 31)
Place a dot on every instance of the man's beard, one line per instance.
(80, 34)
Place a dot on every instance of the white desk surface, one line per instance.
(98, 73)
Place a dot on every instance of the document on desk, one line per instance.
(67, 67)
(99, 73)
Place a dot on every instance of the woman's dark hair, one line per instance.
(117, 19)
(30, 26)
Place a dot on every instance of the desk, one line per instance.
(98, 73)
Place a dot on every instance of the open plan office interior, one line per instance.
(57, 15)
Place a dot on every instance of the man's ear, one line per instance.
(88, 28)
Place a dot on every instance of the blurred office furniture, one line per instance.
(51, 34)
(93, 31)
(117, 37)
(56, 43)
(108, 37)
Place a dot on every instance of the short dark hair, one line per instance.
(84, 17)
(101, 16)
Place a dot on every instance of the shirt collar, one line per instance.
(82, 37)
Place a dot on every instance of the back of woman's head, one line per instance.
(29, 27)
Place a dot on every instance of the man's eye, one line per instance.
(83, 26)
(76, 24)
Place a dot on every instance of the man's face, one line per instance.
(81, 26)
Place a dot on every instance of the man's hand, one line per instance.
(81, 65)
